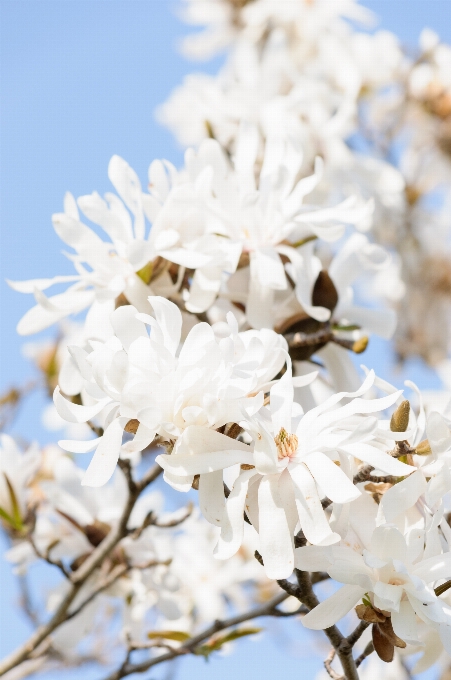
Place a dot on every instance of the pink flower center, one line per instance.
(287, 444)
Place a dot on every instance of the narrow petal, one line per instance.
(232, 529)
(331, 479)
(334, 608)
(403, 496)
(378, 459)
(126, 326)
(199, 464)
(169, 319)
(211, 497)
(311, 514)
(74, 413)
(79, 446)
(104, 461)
(276, 542)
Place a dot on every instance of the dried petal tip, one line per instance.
(132, 426)
(287, 444)
(400, 419)
(366, 613)
(360, 345)
(423, 448)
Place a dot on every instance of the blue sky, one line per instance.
(80, 80)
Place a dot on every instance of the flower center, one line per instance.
(287, 444)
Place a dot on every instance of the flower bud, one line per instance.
(400, 419)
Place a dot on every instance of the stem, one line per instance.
(79, 577)
(269, 609)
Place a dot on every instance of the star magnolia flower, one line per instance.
(227, 21)
(134, 377)
(105, 269)
(265, 219)
(392, 574)
(278, 485)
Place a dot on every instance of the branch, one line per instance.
(369, 649)
(46, 556)
(269, 609)
(80, 576)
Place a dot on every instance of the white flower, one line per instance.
(134, 377)
(104, 269)
(395, 576)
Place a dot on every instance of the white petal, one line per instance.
(333, 609)
(232, 527)
(281, 402)
(79, 446)
(126, 326)
(211, 497)
(331, 479)
(103, 463)
(405, 624)
(388, 543)
(74, 413)
(37, 318)
(199, 464)
(434, 568)
(40, 284)
(403, 496)
(276, 541)
(204, 289)
(169, 319)
(378, 459)
(312, 558)
(311, 514)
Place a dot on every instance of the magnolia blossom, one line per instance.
(104, 269)
(267, 220)
(141, 385)
(292, 456)
(391, 572)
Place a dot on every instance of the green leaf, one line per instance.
(216, 643)
(366, 600)
(16, 514)
(177, 635)
(7, 518)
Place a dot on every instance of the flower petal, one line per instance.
(276, 541)
(74, 413)
(333, 481)
(104, 461)
(333, 609)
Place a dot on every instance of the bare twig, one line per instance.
(79, 577)
(357, 633)
(46, 556)
(327, 665)
(190, 645)
(369, 649)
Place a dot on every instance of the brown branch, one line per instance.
(79, 577)
(127, 668)
(46, 556)
(327, 665)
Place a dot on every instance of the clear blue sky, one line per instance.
(80, 80)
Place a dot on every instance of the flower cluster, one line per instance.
(224, 304)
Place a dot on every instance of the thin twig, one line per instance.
(80, 576)
(46, 557)
(369, 649)
(190, 645)
(327, 665)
